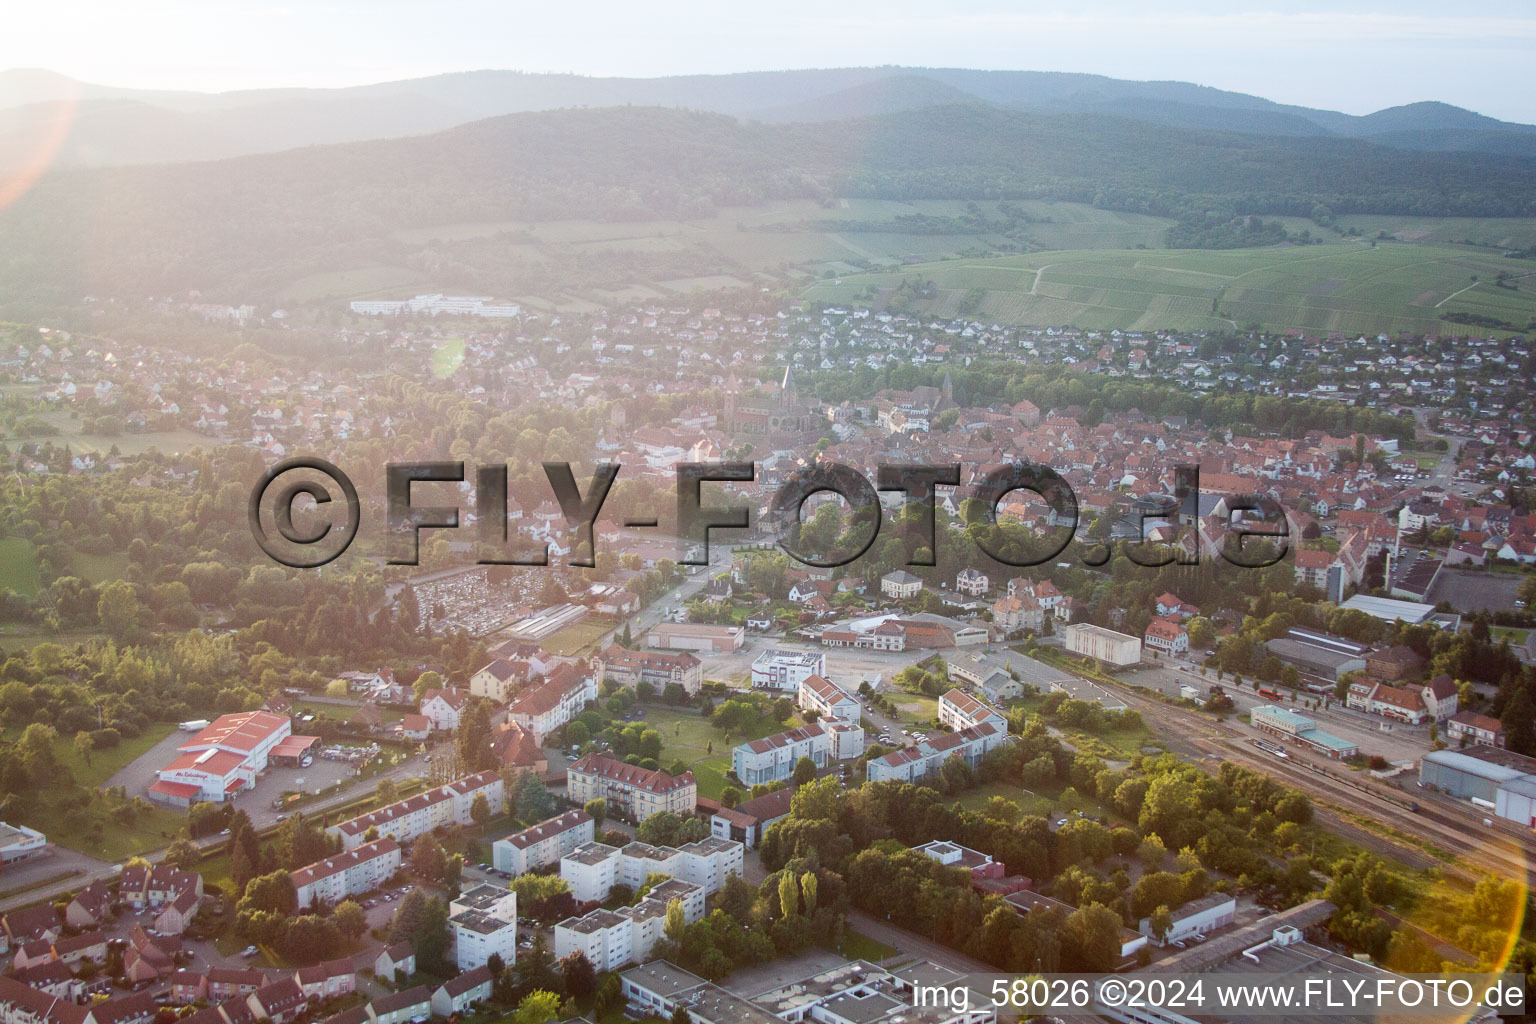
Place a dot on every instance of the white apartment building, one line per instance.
(959, 710)
(591, 870)
(484, 923)
(910, 764)
(773, 758)
(612, 939)
(594, 869)
(709, 862)
(819, 694)
(544, 707)
(777, 669)
(406, 819)
(542, 844)
(632, 792)
(356, 871)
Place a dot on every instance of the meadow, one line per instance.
(1350, 287)
(706, 750)
(18, 566)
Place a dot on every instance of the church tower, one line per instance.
(789, 396)
(947, 391)
(732, 392)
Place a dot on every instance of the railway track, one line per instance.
(1459, 834)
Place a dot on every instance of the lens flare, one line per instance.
(31, 150)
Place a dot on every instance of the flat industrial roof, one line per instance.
(1474, 766)
(1390, 608)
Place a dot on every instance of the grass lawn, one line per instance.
(96, 834)
(105, 763)
(1039, 802)
(688, 738)
(342, 712)
(1516, 637)
(93, 830)
(857, 946)
(18, 566)
(16, 636)
(574, 639)
(100, 568)
(915, 707)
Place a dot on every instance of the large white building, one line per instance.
(437, 305)
(594, 869)
(591, 870)
(959, 710)
(819, 694)
(696, 636)
(18, 842)
(351, 873)
(406, 819)
(1102, 644)
(484, 923)
(545, 706)
(613, 938)
(222, 760)
(773, 758)
(777, 669)
(1197, 917)
(910, 764)
(631, 792)
(542, 844)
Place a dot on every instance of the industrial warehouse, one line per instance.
(1497, 780)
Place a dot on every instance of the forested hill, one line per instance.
(133, 231)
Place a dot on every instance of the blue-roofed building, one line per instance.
(1301, 730)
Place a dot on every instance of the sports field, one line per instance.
(1346, 286)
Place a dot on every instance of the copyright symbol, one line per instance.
(1112, 992)
(282, 514)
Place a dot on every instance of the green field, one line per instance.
(687, 737)
(1347, 286)
(92, 830)
(18, 566)
(100, 568)
(575, 638)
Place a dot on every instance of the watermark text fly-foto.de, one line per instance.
(275, 501)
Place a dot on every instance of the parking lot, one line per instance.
(139, 774)
(1476, 591)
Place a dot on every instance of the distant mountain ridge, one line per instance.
(110, 126)
(239, 228)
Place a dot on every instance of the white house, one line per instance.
(773, 758)
(900, 584)
(973, 582)
(443, 707)
(910, 764)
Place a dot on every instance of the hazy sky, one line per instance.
(1355, 56)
